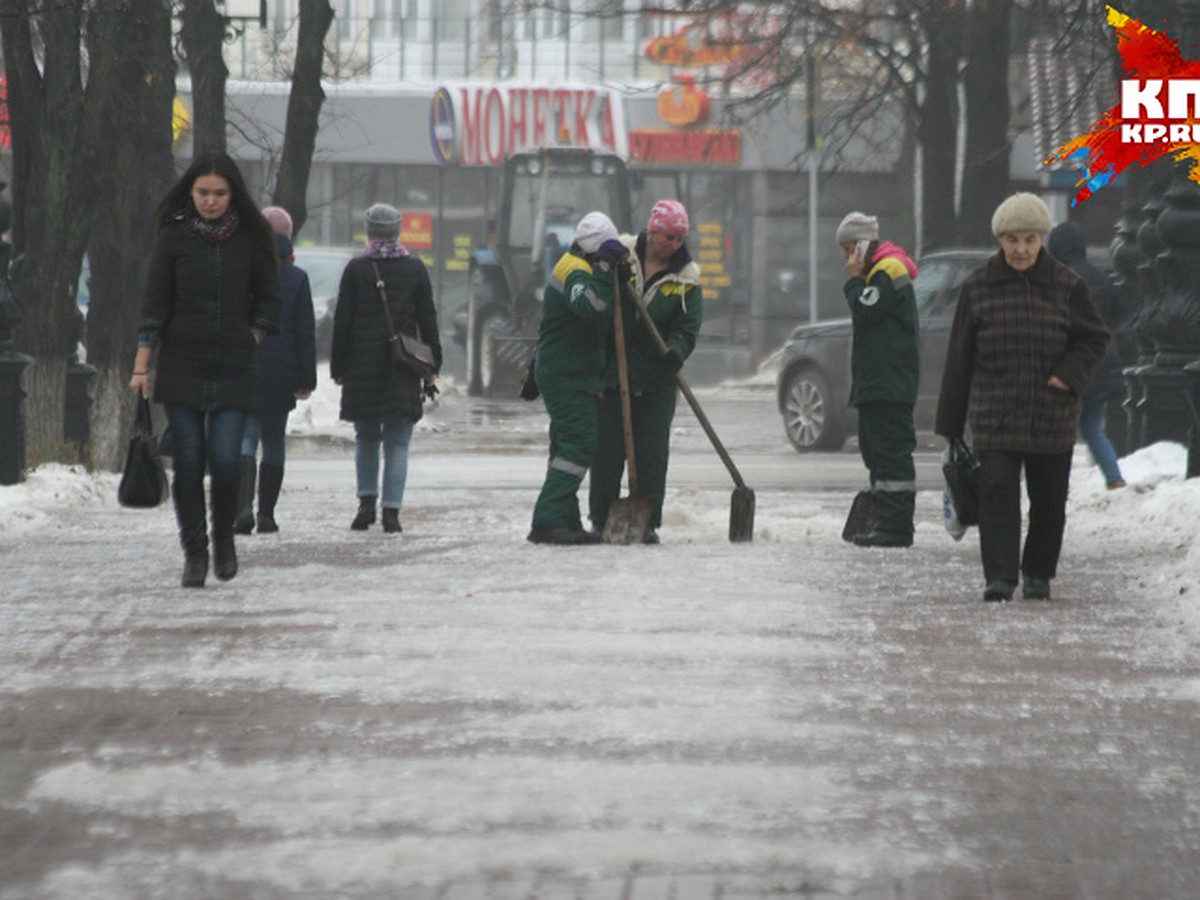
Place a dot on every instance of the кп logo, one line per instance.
(1156, 116)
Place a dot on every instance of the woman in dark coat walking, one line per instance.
(212, 293)
(1024, 345)
(287, 372)
(382, 401)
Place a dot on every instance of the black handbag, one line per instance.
(144, 480)
(961, 471)
(409, 354)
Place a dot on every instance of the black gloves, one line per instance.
(431, 391)
(612, 251)
(672, 361)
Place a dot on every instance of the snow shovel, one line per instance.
(628, 518)
(862, 516)
(741, 502)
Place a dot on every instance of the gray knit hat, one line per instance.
(383, 221)
(858, 226)
(1021, 212)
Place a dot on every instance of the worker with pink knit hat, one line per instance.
(667, 280)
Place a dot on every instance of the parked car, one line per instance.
(813, 386)
(324, 266)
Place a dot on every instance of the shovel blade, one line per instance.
(628, 520)
(741, 515)
(862, 516)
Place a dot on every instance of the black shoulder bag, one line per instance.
(409, 354)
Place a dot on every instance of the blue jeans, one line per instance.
(270, 428)
(1091, 426)
(205, 442)
(394, 431)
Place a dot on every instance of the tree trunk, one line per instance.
(136, 88)
(938, 130)
(304, 111)
(986, 165)
(202, 34)
(53, 158)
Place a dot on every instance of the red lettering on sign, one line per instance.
(713, 147)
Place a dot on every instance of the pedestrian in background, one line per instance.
(211, 295)
(571, 358)
(667, 281)
(1025, 343)
(286, 367)
(885, 369)
(384, 402)
(1068, 245)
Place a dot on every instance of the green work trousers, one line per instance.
(572, 446)
(652, 414)
(886, 440)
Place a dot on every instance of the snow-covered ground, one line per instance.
(356, 713)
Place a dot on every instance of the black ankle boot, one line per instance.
(366, 513)
(270, 480)
(391, 520)
(224, 511)
(193, 532)
(245, 498)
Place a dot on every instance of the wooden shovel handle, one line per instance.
(623, 380)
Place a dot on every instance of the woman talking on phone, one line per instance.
(885, 367)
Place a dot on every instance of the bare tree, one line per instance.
(202, 36)
(73, 74)
(986, 164)
(304, 111)
(139, 170)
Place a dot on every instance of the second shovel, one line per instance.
(628, 518)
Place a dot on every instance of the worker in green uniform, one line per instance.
(885, 368)
(667, 280)
(571, 355)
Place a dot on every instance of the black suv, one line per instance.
(814, 377)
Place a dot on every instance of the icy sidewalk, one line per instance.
(452, 712)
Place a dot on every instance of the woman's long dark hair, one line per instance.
(179, 197)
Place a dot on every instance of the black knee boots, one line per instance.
(224, 511)
(245, 502)
(270, 480)
(193, 532)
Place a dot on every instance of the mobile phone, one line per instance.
(860, 250)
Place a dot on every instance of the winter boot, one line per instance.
(245, 498)
(366, 513)
(270, 480)
(224, 511)
(193, 533)
(391, 520)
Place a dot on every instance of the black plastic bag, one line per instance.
(961, 471)
(529, 385)
(144, 480)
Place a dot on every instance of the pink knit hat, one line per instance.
(280, 221)
(668, 217)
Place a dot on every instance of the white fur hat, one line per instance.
(858, 226)
(593, 230)
(1021, 212)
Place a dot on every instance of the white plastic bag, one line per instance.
(954, 528)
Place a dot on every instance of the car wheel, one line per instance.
(809, 415)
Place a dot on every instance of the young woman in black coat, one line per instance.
(212, 293)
